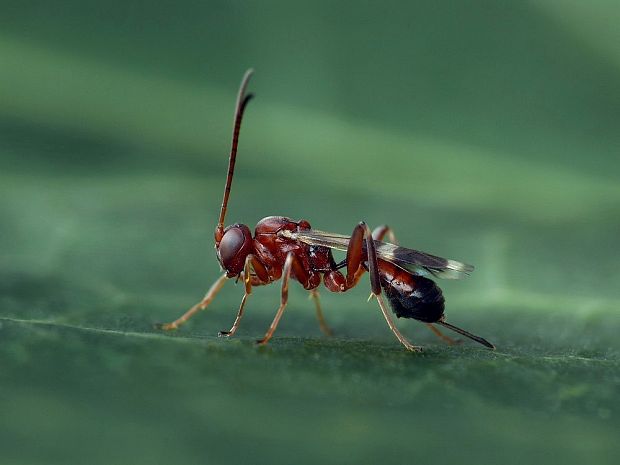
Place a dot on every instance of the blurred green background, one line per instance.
(484, 131)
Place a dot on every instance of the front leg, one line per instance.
(260, 274)
(204, 303)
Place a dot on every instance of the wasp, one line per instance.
(285, 249)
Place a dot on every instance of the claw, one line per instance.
(413, 348)
(165, 326)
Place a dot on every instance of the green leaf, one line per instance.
(486, 133)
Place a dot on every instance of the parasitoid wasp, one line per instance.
(286, 249)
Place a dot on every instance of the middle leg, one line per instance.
(314, 295)
(291, 265)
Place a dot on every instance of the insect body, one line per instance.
(411, 296)
(282, 248)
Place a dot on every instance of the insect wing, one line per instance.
(422, 263)
(416, 262)
(315, 237)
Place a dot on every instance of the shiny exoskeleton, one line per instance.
(411, 296)
(284, 249)
(270, 248)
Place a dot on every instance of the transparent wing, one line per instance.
(416, 262)
(420, 262)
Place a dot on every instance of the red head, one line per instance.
(234, 243)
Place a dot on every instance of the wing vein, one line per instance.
(414, 261)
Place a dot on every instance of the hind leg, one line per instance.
(380, 232)
(362, 234)
(442, 336)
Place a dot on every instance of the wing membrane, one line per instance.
(416, 262)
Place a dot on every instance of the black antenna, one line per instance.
(242, 101)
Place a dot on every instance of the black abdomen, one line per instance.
(411, 296)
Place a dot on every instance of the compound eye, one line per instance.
(230, 245)
(235, 245)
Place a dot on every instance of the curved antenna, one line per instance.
(471, 336)
(242, 101)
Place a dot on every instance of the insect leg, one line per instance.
(250, 264)
(354, 262)
(442, 336)
(375, 284)
(210, 295)
(355, 257)
(380, 231)
(314, 295)
(290, 265)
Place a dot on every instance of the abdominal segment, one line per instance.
(411, 296)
